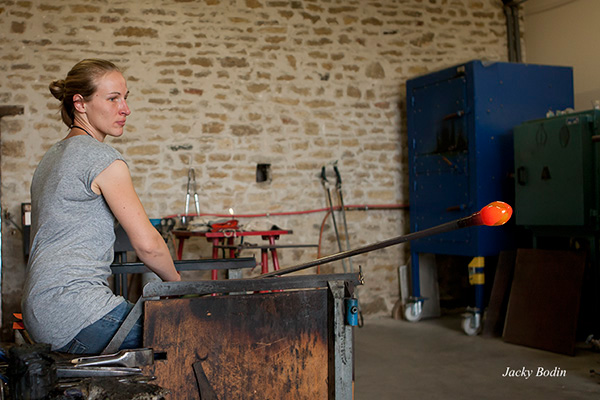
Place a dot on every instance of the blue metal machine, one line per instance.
(460, 146)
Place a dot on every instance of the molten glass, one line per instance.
(496, 213)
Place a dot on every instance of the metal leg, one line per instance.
(413, 309)
(264, 264)
(118, 284)
(180, 248)
(215, 255)
(121, 279)
(477, 279)
(341, 352)
(264, 261)
(231, 250)
(274, 254)
(472, 319)
(414, 275)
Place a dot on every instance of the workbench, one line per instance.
(232, 265)
(226, 238)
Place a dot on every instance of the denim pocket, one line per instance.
(75, 347)
(110, 319)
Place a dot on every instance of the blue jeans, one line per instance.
(94, 338)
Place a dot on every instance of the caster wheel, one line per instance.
(413, 311)
(398, 310)
(471, 324)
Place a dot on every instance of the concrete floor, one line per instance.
(434, 359)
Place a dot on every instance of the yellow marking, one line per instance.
(477, 262)
(477, 279)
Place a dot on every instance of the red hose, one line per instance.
(364, 207)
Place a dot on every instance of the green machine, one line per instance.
(556, 173)
(557, 191)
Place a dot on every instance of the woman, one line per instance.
(80, 186)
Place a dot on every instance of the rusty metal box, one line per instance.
(291, 344)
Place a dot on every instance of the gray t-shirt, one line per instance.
(72, 231)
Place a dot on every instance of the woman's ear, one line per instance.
(79, 103)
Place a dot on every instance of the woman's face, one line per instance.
(107, 109)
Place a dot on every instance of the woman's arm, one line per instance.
(114, 183)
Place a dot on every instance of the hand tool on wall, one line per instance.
(325, 184)
(494, 214)
(191, 185)
(338, 188)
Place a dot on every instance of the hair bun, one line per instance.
(57, 88)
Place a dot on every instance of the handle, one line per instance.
(338, 177)
(522, 176)
(323, 175)
(458, 114)
(460, 207)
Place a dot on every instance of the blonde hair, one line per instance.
(81, 79)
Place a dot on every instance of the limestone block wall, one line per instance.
(224, 85)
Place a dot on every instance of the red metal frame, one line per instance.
(220, 237)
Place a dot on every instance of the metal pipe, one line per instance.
(517, 34)
(513, 30)
(494, 214)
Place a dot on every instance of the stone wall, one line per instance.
(224, 85)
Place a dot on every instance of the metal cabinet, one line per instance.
(460, 147)
(556, 167)
(557, 193)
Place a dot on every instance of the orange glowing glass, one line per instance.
(496, 213)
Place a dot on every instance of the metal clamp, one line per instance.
(191, 186)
